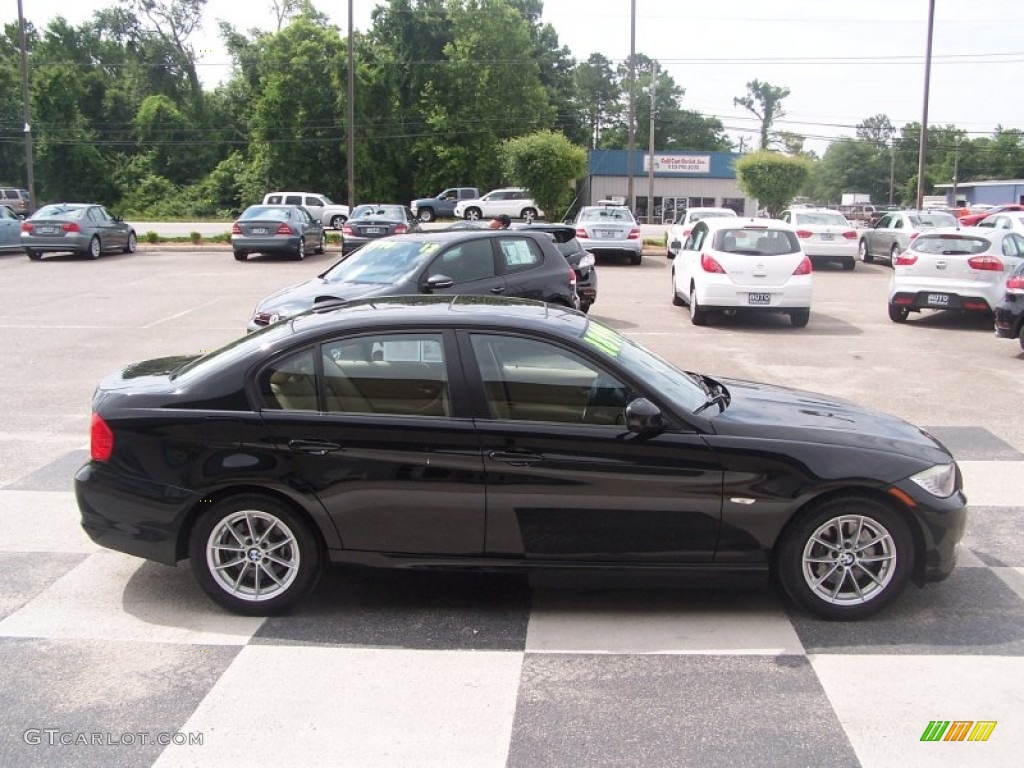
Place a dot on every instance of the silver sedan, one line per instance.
(609, 229)
(84, 228)
(288, 229)
(892, 234)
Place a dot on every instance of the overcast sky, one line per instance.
(842, 61)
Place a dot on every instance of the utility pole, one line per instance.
(27, 105)
(632, 129)
(923, 149)
(956, 162)
(650, 148)
(351, 142)
(892, 169)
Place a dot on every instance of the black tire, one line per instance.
(322, 245)
(279, 529)
(529, 214)
(95, 248)
(1020, 336)
(300, 249)
(893, 254)
(859, 575)
(34, 255)
(677, 300)
(800, 317)
(698, 315)
(585, 306)
(133, 243)
(865, 254)
(635, 259)
(241, 255)
(898, 314)
(425, 215)
(473, 214)
(849, 264)
(337, 221)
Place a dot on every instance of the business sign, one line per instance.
(679, 163)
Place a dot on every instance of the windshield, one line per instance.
(821, 218)
(59, 211)
(950, 244)
(272, 212)
(378, 211)
(389, 260)
(675, 386)
(756, 242)
(606, 214)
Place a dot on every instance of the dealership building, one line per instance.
(681, 180)
(988, 192)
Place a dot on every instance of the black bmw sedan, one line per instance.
(473, 432)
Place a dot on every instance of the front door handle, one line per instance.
(498, 289)
(515, 459)
(314, 447)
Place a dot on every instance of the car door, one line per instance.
(471, 266)
(686, 263)
(369, 424)
(523, 264)
(10, 229)
(112, 234)
(879, 236)
(565, 481)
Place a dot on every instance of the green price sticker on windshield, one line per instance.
(604, 339)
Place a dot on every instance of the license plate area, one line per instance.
(761, 299)
(48, 230)
(827, 236)
(373, 230)
(937, 299)
(606, 234)
(260, 230)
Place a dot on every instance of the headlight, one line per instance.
(587, 261)
(939, 481)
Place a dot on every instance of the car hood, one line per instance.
(298, 298)
(781, 413)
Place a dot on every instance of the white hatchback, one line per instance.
(738, 264)
(954, 269)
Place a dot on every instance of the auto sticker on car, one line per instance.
(604, 339)
(759, 298)
(938, 299)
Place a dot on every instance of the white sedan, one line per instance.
(605, 229)
(1013, 220)
(742, 265)
(824, 235)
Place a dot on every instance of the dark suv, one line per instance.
(580, 259)
(482, 262)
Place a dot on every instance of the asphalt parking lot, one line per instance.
(764, 686)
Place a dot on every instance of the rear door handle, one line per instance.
(515, 459)
(314, 447)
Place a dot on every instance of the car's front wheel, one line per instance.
(321, 246)
(254, 555)
(133, 243)
(425, 215)
(95, 248)
(846, 558)
(865, 254)
(677, 300)
(529, 214)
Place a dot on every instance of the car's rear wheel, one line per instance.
(322, 245)
(133, 243)
(473, 214)
(34, 255)
(898, 314)
(337, 221)
(894, 253)
(846, 558)
(865, 254)
(529, 214)
(800, 317)
(95, 248)
(698, 315)
(635, 258)
(1020, 337)
(425, 215)
(849, 264)
(241, 255)
(254, 555)
(300, 249)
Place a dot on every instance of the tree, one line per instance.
(772, 178)
(597, 94)
(547, 163)
(877, 130)
(764, 101)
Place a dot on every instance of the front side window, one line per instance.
(696, 239)
(315, 202)
(531, 380)
(395, 374)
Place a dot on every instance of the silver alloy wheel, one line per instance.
(849, 560)
(252, 555)
(95, 247)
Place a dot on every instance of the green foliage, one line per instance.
(152, 237)
(547, 163)
(772, 178)
(195, 237)
(763, 101)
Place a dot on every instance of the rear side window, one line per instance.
(520, 254)
(950, 244)
(274, 199)
(293, 200)
(289, 384)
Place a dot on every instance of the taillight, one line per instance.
(581, 232)
(904, 259)
(70, 227)
(803, 268)
(235, 229)
(26, 226)
(347, 230)
(913, 235)
(985, 263)
(634, 233)
(850, 234)
(803, 233)
(708, 264)
(401, 229)
(284, 229)
(572, 278)
(1015, 284)
(101, 439)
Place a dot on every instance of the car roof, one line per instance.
(740, 222)
(711, 209)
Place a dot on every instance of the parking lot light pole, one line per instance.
(27, 104)
(922, 151)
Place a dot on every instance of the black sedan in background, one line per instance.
(1010, 311)
(373, 221)
(288, 229)
(523, 265)
(474, 432)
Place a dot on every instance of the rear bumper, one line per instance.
(938, 299)
(265, 244)
(732, 296)
(56, 244)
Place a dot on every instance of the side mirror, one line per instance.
(438, 281)
(644, 418)
(670, 255)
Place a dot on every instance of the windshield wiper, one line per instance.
(716, 395)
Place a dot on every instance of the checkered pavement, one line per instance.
(103, 653)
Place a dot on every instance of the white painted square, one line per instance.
(111, 596)
(42, 521)
(885, 703)
(993, 483)
(314, 706)
(687, 622)
(1014, 579)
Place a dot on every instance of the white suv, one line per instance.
(515, 202)
(320, 207)
(748, 265)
